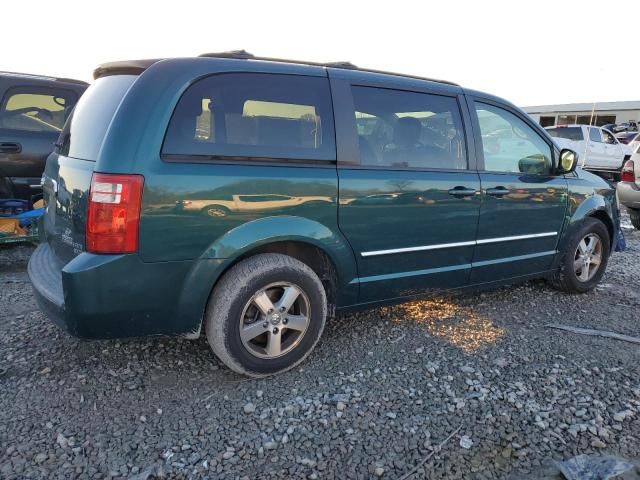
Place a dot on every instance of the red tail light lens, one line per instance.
(114, 213)
(627, 174)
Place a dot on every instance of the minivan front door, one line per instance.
(523, 200)
(409, 203)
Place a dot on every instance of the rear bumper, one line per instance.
(629, 194)
(117, 296)
(46, 279)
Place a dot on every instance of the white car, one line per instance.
(598, 149)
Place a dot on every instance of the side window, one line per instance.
(608, 138)
(36, 110)
(408, 130)
(509, 144)
(594, 135)
(254, 115)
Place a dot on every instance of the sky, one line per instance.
(530, 52)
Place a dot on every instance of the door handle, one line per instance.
(10, 147)
(461, 191)
(497, 191)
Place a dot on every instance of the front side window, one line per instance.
(594, 135)
(254, 115)
(400, 129)
(608, 138)
(33, 110)
(509, 144)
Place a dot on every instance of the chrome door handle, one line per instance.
(461, 191)
(497, 191)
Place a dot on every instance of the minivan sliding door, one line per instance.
(408, 202)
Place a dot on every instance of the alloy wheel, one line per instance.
(274, 320)
(588, 257)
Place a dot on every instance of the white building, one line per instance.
(581, 113)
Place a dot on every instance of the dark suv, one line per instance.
(252, 199)
(33, 110)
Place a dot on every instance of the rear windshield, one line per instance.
(570, 133)
(85, 130)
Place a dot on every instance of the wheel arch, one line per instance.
(323, 250)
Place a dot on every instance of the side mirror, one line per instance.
(568, 161)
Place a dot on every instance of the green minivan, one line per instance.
(251, 199)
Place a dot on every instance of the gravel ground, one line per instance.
(376, 399)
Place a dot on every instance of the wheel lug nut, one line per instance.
(282, 309)
(284, 321)
(265, 324)
(275, 330)
(270, 310)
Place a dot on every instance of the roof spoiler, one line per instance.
(125, 67)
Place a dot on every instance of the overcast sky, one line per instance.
(528, 51)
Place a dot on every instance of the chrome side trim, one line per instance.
(438, 246)
(417, 249)
(516, 237)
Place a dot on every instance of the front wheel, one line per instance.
(266, 314)
(585, 258)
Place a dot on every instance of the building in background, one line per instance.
(581, 113)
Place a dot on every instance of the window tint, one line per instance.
(84, 133)
(608, 138)
(594, 135)
(406, 129)
(509, 144)
(254, 115)
(34, 110)
(570, 133)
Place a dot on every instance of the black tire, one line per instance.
(229, 299)
(215, 211)
(565, 278)
(634, 215)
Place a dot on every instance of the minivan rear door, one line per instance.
(409, 191)
(69, 168)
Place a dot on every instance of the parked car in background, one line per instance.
(600, 151)
(627, 127)
(317, 188)
(33, 110)
(629, 187)
(626, 137)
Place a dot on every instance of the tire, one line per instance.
(567, 278)
(634, 215)
(240, 300)
(215, 211)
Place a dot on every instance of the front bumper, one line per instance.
(629, 194)
(117, 296)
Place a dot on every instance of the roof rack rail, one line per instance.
(244, 55)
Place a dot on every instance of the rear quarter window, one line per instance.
(253, 115)
(87, 127)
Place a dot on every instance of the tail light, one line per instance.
(627, 174)
(114, 213)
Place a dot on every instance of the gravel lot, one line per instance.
(380, 393)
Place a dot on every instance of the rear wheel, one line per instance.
(266, 314)
(585, 258)
(635, 218)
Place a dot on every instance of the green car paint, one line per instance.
(389, 234)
